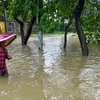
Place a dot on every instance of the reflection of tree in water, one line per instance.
(73, 45)
(62, 83)
(54, 78)
(88, 78)
(60, 71)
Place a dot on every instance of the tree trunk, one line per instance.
(29, 30)
(80, 32)
(66, 29)
(40, 7)
(21, 29)
(24, 38)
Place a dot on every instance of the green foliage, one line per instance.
(23, 9)
(1, 9)
(46, 23)
(57, 11)
(66, 7)
(91, 21)
(90, 18)
(93, 37)
(50, 24)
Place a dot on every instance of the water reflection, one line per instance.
(51, 74)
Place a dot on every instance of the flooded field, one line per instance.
(53, 73)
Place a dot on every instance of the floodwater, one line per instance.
(53, 73)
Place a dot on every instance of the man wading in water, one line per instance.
(3, 56)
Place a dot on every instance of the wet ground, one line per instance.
(53, 73)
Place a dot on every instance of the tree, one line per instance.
(24, 12)
(77, 13)
(79, 29)
(81, 18)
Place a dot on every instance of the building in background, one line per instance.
(2, 25)
(11, 27)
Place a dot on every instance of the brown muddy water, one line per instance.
(53, 73)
